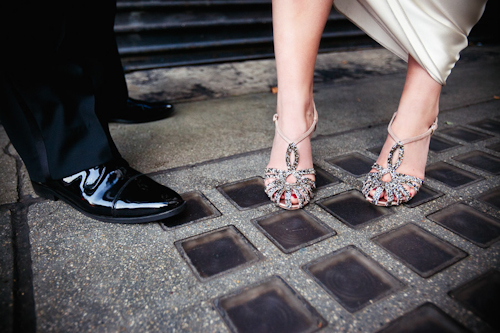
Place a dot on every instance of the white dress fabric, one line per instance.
(433, 32)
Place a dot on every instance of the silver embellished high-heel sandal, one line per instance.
(395, 188)
(303, 187)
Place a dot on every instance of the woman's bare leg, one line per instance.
(417, 110)
(297, 25)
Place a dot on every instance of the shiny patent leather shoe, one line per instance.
(136, 112)
(114, 192)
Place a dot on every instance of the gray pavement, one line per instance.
(63, 272)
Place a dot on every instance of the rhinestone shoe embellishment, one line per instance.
(303, 187)
(395, 187)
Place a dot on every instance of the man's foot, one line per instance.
(114, 192)
(136, 112)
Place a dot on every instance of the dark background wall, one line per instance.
(159, 33)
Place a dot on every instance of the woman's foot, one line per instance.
(293, 127)
(404, 127)
(417, 111)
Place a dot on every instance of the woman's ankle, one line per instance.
(413, 122)
(295, 119)
(296, 102)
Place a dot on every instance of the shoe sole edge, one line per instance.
(47, 193)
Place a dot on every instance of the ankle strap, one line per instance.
(430, 131)
(301, 138)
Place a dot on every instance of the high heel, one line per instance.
(395, 188)
(303, 187)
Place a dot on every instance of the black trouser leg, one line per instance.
(56, 80)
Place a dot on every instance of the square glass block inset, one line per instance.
(450, 175)
(488, 124)
(246, 194)
(352, 208)
(495, 146)
(324, 178)
(481, 161)
(482, 296)
(439, 145)
(473, 225)
(271, 306)
(420, 250)
(355, 163)
(491, 197)
(352, 278)
(198, 209)
(465, 134)
(425, 194)
(217, 252)
(293, 230)
(427, 318)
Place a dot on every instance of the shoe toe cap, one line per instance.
(144, 196)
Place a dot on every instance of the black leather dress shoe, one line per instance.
(136, 112)
(114, 192)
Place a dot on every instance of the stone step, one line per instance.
(153, 34)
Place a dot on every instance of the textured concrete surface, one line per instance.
(345, 100)
(236, 79)
(8, 179)
(90, 276)
(6, 273)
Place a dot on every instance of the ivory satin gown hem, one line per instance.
(433, 32)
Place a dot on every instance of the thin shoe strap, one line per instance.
(430, 131)
(305, 135)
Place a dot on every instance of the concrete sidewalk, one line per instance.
(235, 262)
